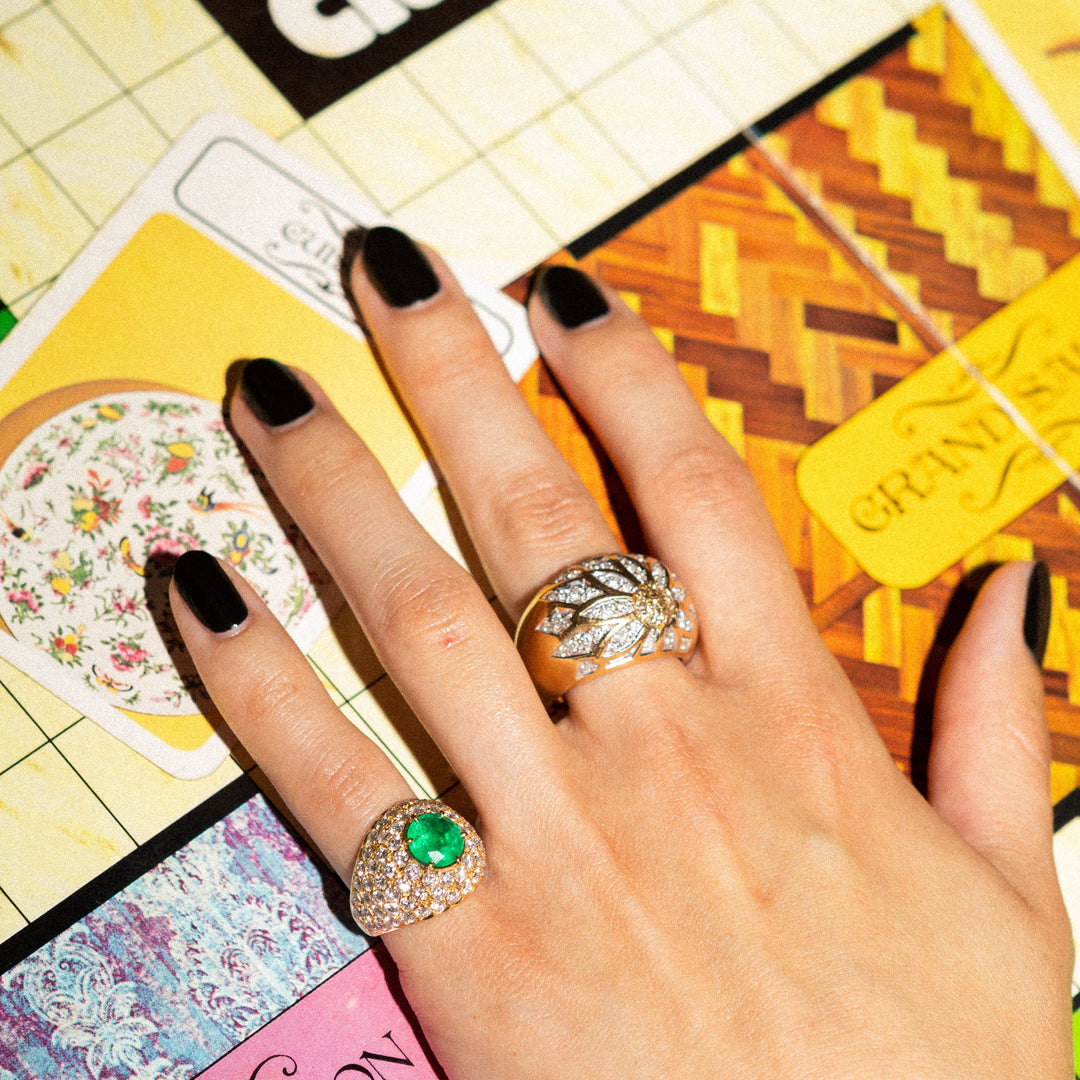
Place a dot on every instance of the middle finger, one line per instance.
(526, 509)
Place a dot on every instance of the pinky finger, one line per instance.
(333, 778)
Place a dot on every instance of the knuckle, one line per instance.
(433, 608)
(708, 476)
(344, 787)
(552, 514)
(274, 690)
(338, 470)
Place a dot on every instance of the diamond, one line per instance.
(575, 592)
(583, 642)
(619, 582)
(586, 667)
(632, 565)
(623, 638)
(669, 639)
(654, 606)
(660, 574)
(558, 621)
(434, 840)
(684, 623)
(609, 607)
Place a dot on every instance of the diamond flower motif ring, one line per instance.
(418, 859)
(603, 614)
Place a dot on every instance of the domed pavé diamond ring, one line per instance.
(418, 859)
(603, 614)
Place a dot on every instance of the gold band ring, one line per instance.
(603, 614)
(418, 859)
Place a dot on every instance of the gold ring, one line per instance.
(418, 859)
(603, 614)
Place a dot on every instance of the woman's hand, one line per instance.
(704, 870)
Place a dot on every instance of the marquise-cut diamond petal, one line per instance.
(684, 622)
(624, 637)
(558, 621)
(583, 642)
(608, 607)
(660, 574)
(576, 592)
(649, 644)
(587, 667)
(634, 567)
(615, 581)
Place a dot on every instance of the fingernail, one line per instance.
(1037, 612)
(397, 268)
(208, 592)
(570, 296)
(273, 392)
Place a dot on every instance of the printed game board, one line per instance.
(118, 965)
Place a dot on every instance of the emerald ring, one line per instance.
(418, 859)
(601, 615)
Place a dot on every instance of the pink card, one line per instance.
(350, 1025)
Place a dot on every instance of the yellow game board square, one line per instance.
(474, 218)
(142, 797)
(42, 231)
(10, 147)
(839, 30)
(10, 8)
(99, 160)
(55, 835)
(343, 657)
(11, 922)
(218, 77)
(745, 59)
(47, 79)
(392, 137)
(490, 85)
(382, 713)
(19, 735)
(664, 15)
(309, 147)
(47, 711)
(135, 38)
(567, 171)
(658, 114)
(578, 42)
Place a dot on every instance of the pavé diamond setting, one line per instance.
(419, 859)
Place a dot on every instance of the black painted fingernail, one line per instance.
(208, 592)
(1037, 612)
(570, 296)
(397, 268)
(273, 393)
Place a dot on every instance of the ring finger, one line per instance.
(526, 509)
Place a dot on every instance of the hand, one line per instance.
(712, 869)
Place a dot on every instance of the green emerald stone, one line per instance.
(435, 840)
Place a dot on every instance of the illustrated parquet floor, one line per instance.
(923, 159)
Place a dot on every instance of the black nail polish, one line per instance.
(397, 268)
(1037, 612)
(273, 393)
(208, 592)
(570, 296)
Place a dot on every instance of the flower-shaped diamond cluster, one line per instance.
(611, 610)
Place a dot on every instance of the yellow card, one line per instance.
(934, 466)
(114, 457)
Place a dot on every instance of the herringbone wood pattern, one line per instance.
(922, 158)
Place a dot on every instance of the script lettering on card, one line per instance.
(935, 466)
